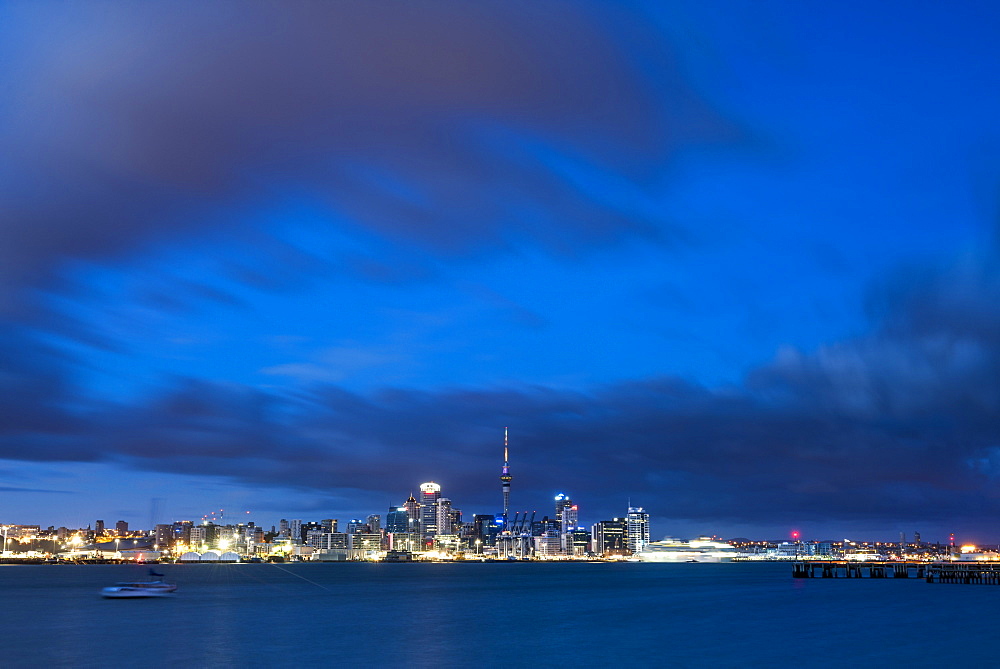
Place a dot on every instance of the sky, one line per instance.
(734, 262)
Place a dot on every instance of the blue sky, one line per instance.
(301, 261)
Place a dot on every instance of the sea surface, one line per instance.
(492, 615)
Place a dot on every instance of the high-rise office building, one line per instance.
(397, 520)
(576, 542)
(99, 527)
(182, 532)
(638, 528)
(444, 517)
(357, 526)
(610, 537)
(375, 523)
(162, 535)
(295, 531)
(412, 507)
(566, 513)
(121, 528)
(485, 528)
(430, 493)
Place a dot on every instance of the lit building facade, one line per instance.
(638, 528)
(444, 519)
(397, 520)
(564, 509)
(610, 537)
(430, 493)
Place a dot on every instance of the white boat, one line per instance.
(137, 589)
(697, 550)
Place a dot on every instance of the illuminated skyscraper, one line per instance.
(430, 493)
(412, 507)
(397, 520)
(566, 513)
(505, 479)
(638, 528)
(610, 537)
(444, 516)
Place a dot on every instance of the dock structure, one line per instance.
(932, 572)
(964, 572)
(853, 569)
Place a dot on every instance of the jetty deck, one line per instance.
(932, 572)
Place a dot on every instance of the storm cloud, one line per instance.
(454, 126)
(902, 422)
(336, 248)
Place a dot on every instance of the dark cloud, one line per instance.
(453, 125)
(902, 424)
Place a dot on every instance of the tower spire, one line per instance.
(505, 479)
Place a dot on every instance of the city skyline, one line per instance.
(737, 263)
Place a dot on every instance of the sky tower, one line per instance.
(505, 479)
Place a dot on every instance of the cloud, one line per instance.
(452, 126)
(897, 424)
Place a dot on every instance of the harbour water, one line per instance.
(491, 615)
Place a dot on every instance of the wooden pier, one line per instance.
(964, 572)
(932, 572)
(852, 569)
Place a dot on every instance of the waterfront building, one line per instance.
(365, 541)
(314, 537)
(198, 536)
(332, 540)
(121, 528)
(447, 543)
(404, 541)
(181, 532)
(374, 523)
(295, 531)
(356, 526)
(549, 544)
(430, 493)
(610, 537)
(283, 529)
(163, 535)
(638, 528)
(576, 542)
